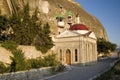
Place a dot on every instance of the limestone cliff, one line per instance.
(48, 9)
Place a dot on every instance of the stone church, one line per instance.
(76, 44)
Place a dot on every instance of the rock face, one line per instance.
(5, 56)
(29, 52)
(48, 9)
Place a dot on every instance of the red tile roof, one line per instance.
(78, 27)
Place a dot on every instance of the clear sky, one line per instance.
(108, 13)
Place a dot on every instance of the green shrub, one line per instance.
(117, 68)
(9, 45)
(3, 68)
(13, 65)
(34, 63)
(105, 76)
(47, 61)
(19, 63)
(19, 58)
(50, 60)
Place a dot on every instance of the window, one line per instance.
(60, 55)
(76, 57)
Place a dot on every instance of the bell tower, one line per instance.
(69, 18)
(60, 20)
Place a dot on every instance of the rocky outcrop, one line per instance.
(48, 9)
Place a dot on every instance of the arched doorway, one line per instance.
(68, 56)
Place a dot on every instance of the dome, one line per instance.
(78, 27)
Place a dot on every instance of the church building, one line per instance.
(76, 44)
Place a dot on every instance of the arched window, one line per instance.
(60, 55)
(76, 57)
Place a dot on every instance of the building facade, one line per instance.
(76, 45)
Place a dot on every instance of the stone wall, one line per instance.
(29, 52)
(5, 55)
(33, 74)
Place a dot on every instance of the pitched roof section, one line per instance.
(77, 30)
(69, 33)
(92, 35)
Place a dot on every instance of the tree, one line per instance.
(3, 22)
(44, 42)
(20, 23)
(28, 30)
(24, 26)
(104, 46)
(3, 27)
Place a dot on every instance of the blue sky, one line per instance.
(108, 13)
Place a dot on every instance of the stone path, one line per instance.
(78, 72)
